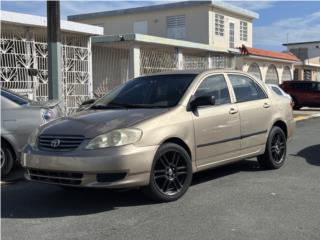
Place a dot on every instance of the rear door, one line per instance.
(255, 112)
(217, 128)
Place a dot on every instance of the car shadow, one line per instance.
(33, 200)
(310, 154)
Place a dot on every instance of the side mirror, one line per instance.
(201, 101)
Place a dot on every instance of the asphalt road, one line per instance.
(239, 201)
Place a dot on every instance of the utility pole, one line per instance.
(55, 91)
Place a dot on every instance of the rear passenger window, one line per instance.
(277, 91)
(215, 86)
(245, 88)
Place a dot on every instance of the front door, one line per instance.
(217, 128)
(255, 112)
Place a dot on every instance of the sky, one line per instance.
(279, 20)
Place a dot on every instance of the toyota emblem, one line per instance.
(55, 143)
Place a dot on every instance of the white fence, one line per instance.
(22, 51)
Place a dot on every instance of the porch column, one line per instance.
(210, 62)
(134, 61)
(180, 59)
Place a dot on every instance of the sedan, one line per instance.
(155, 131)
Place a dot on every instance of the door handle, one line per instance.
(266, 105)
(233, 111)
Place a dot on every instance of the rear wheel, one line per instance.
(276, 148)
(171, 173)
(296, 105)
(7, 159)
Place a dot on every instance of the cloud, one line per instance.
(253, 5)
(298, 29)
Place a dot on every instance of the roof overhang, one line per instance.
(218, 4)
(270, 59)
(147, 39)
(38, 21)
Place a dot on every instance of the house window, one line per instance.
(140, 27)
(176, 27)
(243, 31)
(231, 35)
(219, 25)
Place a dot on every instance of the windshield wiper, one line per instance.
(106, 107)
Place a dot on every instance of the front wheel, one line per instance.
(276, 149)
(7, 159)
(171, 173)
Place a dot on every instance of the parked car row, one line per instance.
(19, 118)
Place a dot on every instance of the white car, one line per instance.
(279, 91)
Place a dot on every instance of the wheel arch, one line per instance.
(179, 142)
(3, 139)
(281, 124)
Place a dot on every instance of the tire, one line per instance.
(171, 174)
(276, 149)
(296, 105)
(7, 159)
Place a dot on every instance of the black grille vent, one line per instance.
(59, 143)
(69, 178)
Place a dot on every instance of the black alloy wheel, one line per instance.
(171, 173)
(276, 149)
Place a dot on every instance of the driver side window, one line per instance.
(216, 86)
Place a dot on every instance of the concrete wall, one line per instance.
(243, 63)
(313, 52)
(223, 42)
(200, 23)
(196, 22)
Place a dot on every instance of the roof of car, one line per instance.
(196, 72)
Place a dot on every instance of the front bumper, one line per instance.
(91, 168)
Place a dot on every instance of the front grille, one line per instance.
(59, 143)
(70, 178)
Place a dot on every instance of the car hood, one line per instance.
(95, 122)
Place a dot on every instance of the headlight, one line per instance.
(32, 140)
(115, 138)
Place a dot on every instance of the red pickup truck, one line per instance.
(303, 93)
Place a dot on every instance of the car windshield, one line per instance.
(159, 91)
(14, 97)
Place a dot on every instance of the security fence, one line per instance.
(22, 50)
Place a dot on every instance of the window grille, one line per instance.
(243, 31)
(219, 25)
(176, 27)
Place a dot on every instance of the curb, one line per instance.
(302, 118)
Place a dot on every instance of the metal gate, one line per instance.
(21, 53)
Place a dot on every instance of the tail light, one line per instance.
(291, 103)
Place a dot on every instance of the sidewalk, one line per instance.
(306, 113)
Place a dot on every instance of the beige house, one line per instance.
(220, 25)
(309, 54)
(219, 33)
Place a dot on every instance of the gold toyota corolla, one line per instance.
(155, 131)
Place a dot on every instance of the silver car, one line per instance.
(19, 117)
